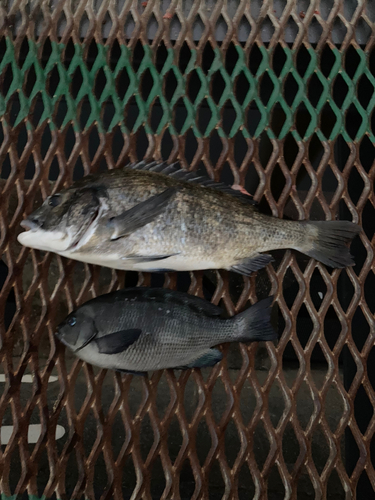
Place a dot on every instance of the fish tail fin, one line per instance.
(255, 322)
(327, 242)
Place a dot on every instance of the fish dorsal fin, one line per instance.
(162, 296)
(196, 304)
(174, 170)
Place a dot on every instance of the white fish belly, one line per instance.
(115, 261)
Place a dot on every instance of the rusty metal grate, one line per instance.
(275, 95)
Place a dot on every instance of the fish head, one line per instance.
(77, 330)
(63, 220)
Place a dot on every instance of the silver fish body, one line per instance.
(149, 217)
(143, 329)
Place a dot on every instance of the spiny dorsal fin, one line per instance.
(174, 170)
(161, 296)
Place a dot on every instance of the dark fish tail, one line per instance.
(255, 322)
(328, 242)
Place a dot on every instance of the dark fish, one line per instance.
(142, 329)
(152, 217)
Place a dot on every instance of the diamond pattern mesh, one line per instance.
(275, 96)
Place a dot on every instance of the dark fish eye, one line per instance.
(54, 201)
(72, 321)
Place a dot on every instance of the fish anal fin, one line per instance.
(249, 266)
(209, 358)
(117, 342)
(140, 215)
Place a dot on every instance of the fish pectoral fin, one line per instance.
(147, 258)
(209, 358)
(140, 215)
(117, 342)
(248, 266)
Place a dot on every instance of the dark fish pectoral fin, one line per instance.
(209, 358)
(117, 342)
(248, 266)
(140, 215)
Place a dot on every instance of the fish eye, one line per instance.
(72, 321)
(54, 200)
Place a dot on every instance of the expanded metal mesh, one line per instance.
(276, 96)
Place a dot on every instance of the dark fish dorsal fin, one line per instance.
(174, 170)
(117, 342)
(196, 304)
(163, 296)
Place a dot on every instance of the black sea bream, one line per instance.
(150, 217)
(143, 329)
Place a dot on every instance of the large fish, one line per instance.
(154, 217)
(143, 329)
